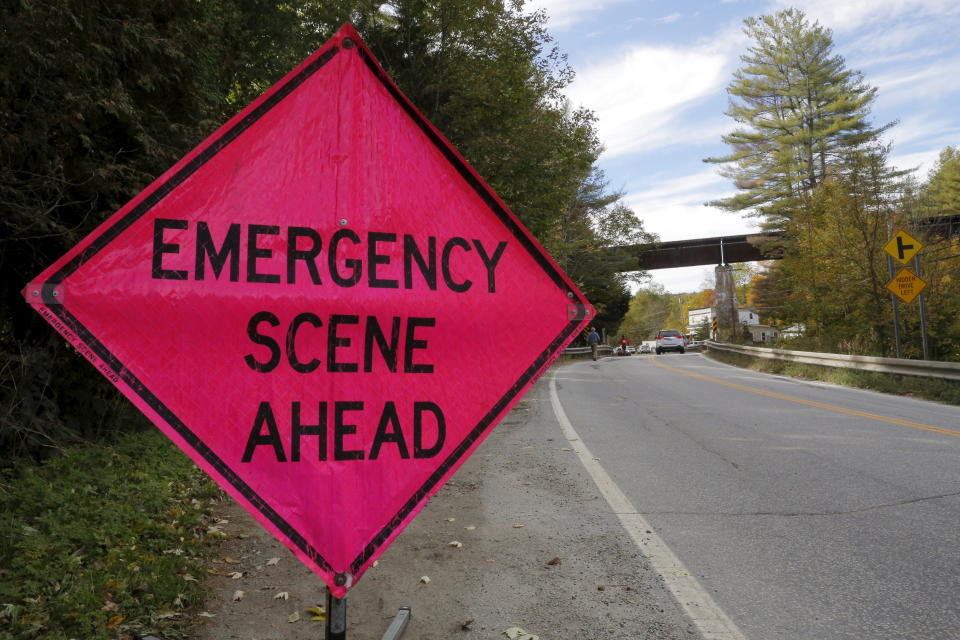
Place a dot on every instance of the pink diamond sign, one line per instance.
(323, 305)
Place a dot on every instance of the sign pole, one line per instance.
(923, 313)
(896, 310)
(336, 617)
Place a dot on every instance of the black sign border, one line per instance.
(113, 231)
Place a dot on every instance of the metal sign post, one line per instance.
(896, 310)
(923, 312)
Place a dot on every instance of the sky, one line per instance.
(655, 74)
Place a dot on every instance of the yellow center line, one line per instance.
(810, 403)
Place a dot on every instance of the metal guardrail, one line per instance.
(603, 349)
(902, 366)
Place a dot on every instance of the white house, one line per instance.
(695, 317)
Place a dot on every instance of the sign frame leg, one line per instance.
(336, 628)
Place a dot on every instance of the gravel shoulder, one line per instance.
(541, 550)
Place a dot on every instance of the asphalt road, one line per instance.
(808, 511)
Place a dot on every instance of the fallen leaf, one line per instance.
(554, 562)
(283, 595)
(206, 614)
(230, 560)
(518, 526)
(189, 578)
(238, 595)
(470, 527)
(566, 449)
(375, 563)
(466, 625)
(319, 613)
(601, 587)
(110, 606)
(236, 575)
(516, 633)
(272, 561)
(456, 543)
(451, 519)
(424, 579)
(114, 621)
(213, 572)
(294, 617)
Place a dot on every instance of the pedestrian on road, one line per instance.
(623, 345)
(593, 339)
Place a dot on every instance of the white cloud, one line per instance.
(673, 17)
(852, 15)
(639, 94)
(922, 161)
(674, 209)
(682, 279)
(564, 14)
(934, 80)
(925, 128)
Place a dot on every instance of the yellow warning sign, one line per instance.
(903, 247)
(906, 285)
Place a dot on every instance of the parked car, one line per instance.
(631, 349)
(669, 340)
(695, 344)
(644, 348)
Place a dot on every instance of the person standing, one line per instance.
(593, 339)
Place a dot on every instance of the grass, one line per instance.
(104, 541)
(946, 391)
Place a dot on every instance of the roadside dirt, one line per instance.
(541, 550)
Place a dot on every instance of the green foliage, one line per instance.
(98, 98)
(942, 193)
(103, 542)
(833, 279)
(652, 309)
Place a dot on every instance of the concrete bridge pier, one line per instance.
(725, 308)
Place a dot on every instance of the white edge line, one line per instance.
(709, 619)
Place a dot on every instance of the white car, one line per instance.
(669, 340)
(644, 348)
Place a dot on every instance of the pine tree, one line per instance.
(799, 109)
